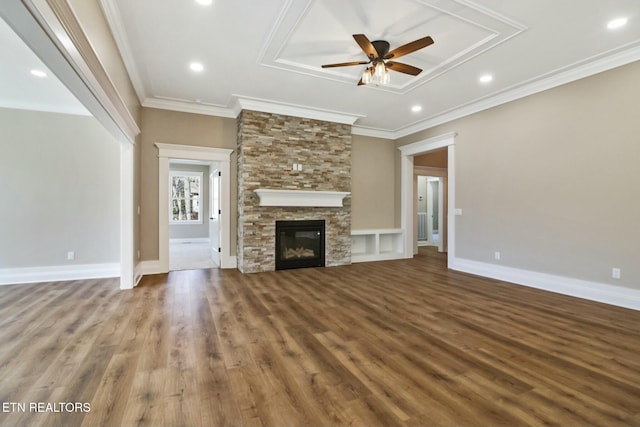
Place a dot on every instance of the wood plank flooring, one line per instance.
(395, 343)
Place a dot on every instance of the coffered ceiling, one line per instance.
(267, 54)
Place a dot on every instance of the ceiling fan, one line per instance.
(380, 59)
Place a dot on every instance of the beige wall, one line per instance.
(372, 171)
(552, 180)
(171, 127)
(373, 182)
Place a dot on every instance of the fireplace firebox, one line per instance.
(299, 244)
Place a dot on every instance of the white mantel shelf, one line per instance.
(301, 198)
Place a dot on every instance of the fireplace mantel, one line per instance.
(271, 197)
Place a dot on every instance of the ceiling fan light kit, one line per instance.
(379, 63)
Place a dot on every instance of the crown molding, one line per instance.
(266, 106)
(373, 132)
(190, 107)
(539, 84)
(114, 19)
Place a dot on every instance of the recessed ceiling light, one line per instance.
(38, 73)
(617, 23)
(416, 108)
(486, 78)
(196, 66)
(204, 2)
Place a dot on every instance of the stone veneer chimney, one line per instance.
(268, 146)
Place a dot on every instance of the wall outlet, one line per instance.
(496, 256)
(615, 273)
(71, 256)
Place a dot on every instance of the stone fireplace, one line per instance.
(279, 152)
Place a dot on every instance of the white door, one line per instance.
(214, 215)
(429, 211)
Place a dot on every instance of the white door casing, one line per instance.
(188, 152)
(214, 214)
(407, 191)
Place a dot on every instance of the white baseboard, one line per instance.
(149, 267)
(228, 262)
(594, 291)
(13, 276)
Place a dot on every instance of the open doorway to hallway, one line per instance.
(194, 205)
(430, 210)
(430, 186)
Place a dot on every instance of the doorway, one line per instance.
(430, 210)
(408, 193)
(193, 215)
(220, 158)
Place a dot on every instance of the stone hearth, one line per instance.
(268, 147)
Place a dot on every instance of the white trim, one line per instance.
(150, 267)
(406, 188)
(14, 276)
(426, 145)
(192, 152)
(274, 197)
(373, 132)
(114, 19)
(190, 107)
(593, 291)
(538, 84)
(189, 152)
(232, 262)
(267, 106)
(127, 216)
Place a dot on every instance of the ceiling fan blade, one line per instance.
(403, 68)
(345, 64)
(409, 47)
(366, 45)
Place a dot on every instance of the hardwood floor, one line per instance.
(375, 344)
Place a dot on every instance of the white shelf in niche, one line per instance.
(376, 244)
(303, 198)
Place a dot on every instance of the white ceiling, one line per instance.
(267, 54)
(22, 90)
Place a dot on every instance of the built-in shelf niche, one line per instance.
(376, 244)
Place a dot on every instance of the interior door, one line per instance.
(214, 215)
(429, 212)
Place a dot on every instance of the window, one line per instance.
(185, 197)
